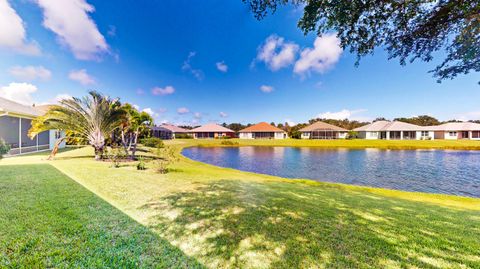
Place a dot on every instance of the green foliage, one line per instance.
(141, 164)
(4, 148)
(352, 135)
(295, 134)
(423, 120)
(153, 142)
(73, 138)
(408, 30)
(166, 156)
(183, 136)
(229, 143)
(345, 123)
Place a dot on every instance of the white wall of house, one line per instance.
(305, 135)
(54, 136)
(369, 135)
(280, 135)
(246, 136)
(451, 135)
(425, 135)
(342, 135)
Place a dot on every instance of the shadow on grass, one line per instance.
(288, 225)
(49, 221)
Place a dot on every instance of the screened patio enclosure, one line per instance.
(14, 130)
(324, 134)
(263, 135)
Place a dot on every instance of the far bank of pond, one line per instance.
(436, 171)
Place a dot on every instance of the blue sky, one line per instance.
(193, 62)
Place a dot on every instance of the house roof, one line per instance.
(390, 126)
(322, 126)
(172, 128)
(456, 126)
(211, 128)
(16, 108)
(261, 127)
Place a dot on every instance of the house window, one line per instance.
(476, 134)
(452, 133)
(425, 133)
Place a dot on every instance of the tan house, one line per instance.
(168, 131)
(394, 130)
(262, 130)
(322, 130)
(457, 130)
(211, 131)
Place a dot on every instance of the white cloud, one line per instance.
(290, 122)
(62, 96)
(163, 91)
(187, 66)
(472, 115)
(70, 21)
(197, 115)
(344, 114)
(183, 110)
(12, 31)
(266, 88)
(137, 107)
(221, 66)
(81, 76)
(322, 57)
(150, 111)
(276, 53)
(31, 72)
(223, 114)
(19, 92)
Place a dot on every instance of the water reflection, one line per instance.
(438, 171)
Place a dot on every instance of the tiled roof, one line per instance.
(389, 126)
(261, 127)
(456, 126)
(172, 128)
(211, 128)
(16, 108)
(322, 126)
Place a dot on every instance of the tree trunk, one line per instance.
(135, 140)
(98, 153)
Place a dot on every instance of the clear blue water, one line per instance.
(435, 171)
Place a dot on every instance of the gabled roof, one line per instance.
(19, 109)
(172, 128)
(384, 125)
(456, 126)
(211, 128)
(261, 127)
(322, 126)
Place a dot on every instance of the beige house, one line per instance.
(211, 131)
(457, 130)
(262, 130)
(322, 130)
(168, 131)
(394, 130)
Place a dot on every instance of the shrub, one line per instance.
(183, 136)
(352, 135)
(4, 148)
(295, 134)
(141, 164)
(115, 155)
(166, 157)
(229, 143)
(153, 142)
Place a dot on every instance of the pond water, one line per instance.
(435, 171)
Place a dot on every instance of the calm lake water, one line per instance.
(436, 171)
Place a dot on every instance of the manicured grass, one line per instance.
(228, 218)
(49, 221)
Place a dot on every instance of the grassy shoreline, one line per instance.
(228, 218)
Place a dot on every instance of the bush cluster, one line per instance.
(152, 142)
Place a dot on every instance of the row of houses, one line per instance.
(387, 130)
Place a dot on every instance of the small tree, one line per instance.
(166, 157)
(134, 124)
(4, 148)
(352, 134)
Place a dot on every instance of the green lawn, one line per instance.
(228, 218)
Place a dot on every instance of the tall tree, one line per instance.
(408, 30)
(93, 117)
(133, 125)
(423, 120)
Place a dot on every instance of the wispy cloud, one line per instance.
(277, 53)
(82, 77)
(267, 88)
(163, 91)
(345, 114)
(13, 34)
(323, 56)
(183, 110)
(187, 66)
(223, 114)
(71, 22)
(30, 72)
(222, 67)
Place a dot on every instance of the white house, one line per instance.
(168, 131)
(322, 130)
(457, 130)
(395, 130)
(15, 121)
(211, 131)
(262, 130)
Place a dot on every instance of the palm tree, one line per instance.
(92, 117)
